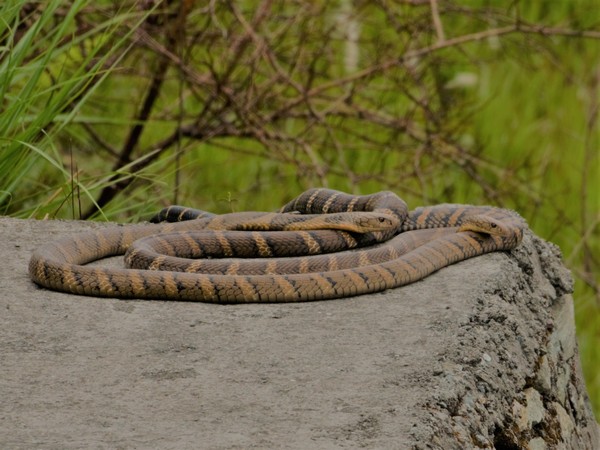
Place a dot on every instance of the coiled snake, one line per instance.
(385, 246)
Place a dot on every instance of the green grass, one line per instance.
(508, 120)
(46, 75)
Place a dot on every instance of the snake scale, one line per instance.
(324, 244)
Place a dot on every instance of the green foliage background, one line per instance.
(513, 118)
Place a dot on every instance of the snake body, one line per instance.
(402, 247)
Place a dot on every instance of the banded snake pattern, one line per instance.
(324, 244)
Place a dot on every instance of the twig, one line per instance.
(437, 21)
(453, 42)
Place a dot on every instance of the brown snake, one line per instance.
(402, 247)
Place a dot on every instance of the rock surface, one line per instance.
(481, 354)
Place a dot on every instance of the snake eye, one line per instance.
(493, 225)
(381, 220)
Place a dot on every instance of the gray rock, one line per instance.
(481, 355)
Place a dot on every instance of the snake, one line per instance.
(324, 244)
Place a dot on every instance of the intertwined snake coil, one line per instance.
(377, 244)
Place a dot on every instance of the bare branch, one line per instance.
(437, 21)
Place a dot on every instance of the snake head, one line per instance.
(371, 221)
(361, 221)
(484, 224)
